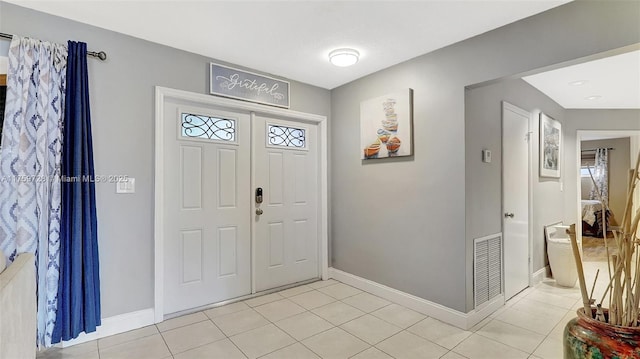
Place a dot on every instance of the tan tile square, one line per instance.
(151, 347)
(372, 353)
(192, 336)
(536, 308)
(127, 336)
(339, 291)
(335, 343)
(279, 310)
(338, 313)
(75, 351)
(550, 348)
(536, 323)
(261, 341)
(453, 355)
(222, 349)
(65, 353)
(295, 351)
(311, 300)
(481, 324)
(264, 299)
(440, 333)
(238, 322)
(181, 321)
(370, 329)
(406, 345)
(304, 325)
(322, 283)
(295, 291)
(552, 299)
(511, 335)
(399, 315)
(366, 302)
(226, 309)
(558, 330)
(479, 347)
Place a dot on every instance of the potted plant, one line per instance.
(612, 332)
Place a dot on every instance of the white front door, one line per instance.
(207, 246)
(515, 197)
(285, 167)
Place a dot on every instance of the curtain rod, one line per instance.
(99, 55)
(595, 149)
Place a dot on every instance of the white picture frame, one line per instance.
(550, 147)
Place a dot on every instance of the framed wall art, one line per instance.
(550, 146)
(386, 126)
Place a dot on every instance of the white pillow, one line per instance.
(3, 261)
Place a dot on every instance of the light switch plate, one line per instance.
(486, 156)
(126, 185)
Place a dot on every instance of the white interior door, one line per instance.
(286, 236)
(515, 197)
(207, 239)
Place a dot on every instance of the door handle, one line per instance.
(509, 215)
(259, 211)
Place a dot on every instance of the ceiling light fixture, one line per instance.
(593, 98)
(578, 83)
(344, 57)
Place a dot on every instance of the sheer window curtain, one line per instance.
(30, 160)
(601, 176)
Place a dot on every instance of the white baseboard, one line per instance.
(540, 275)
(431, 309)
(115, 325)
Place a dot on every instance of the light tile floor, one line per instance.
(329, 319)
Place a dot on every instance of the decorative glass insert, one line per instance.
(212, 128)
(286, 136)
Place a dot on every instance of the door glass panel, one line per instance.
(284, 136)
(206, 127)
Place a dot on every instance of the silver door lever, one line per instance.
(509, 215)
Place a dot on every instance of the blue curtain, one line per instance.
(79, 285)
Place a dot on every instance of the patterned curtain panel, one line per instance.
(30, 161)
(601, 176)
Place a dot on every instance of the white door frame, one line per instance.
(531, 123)
(161, 94)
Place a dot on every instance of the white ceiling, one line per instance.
(292, 39)
(615, 79)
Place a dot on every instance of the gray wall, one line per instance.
(122, 105)
(595, 120)
(402, 223)
(483, 108)
(619, 165)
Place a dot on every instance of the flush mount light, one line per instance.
(593, 98)
(578, 83)
(344, 57)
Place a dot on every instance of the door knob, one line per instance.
(509, 215)
(259, 211)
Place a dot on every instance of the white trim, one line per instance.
(539, 275)
(434, 310)
(115, 325)
(161, 93)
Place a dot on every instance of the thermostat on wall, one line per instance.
(486, 156)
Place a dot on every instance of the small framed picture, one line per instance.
(550, 146)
